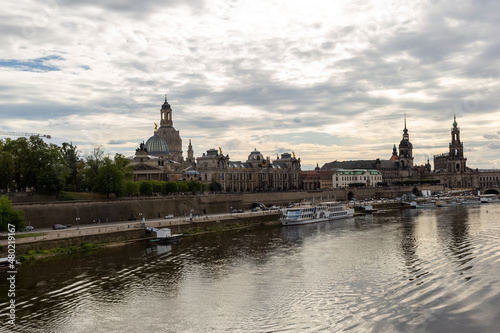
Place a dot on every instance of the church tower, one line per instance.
(168, 132)
(166, 114)
(190, 158)
(456, 160)
(394, 156)
(406, 150)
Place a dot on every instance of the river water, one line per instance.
(435, 270)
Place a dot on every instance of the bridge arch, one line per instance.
(491, 191)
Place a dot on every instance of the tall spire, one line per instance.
(405, 131)
(165, 97)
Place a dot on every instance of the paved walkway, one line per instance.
(93, 229)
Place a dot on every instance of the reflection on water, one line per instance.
(404, 271)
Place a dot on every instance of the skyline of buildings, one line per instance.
(161, 158)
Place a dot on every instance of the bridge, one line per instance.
(490, 190)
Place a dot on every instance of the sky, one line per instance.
(327, 80)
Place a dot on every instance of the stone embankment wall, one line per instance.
(109, 234)
(42, 215)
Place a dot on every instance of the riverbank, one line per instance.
(123, 233)
(45, 214)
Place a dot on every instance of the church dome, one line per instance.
(255, 156)
(156, 145)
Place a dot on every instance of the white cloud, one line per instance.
(246, 74)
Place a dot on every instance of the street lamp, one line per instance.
(77, 218)
(140, 212)
(231, 210)
(191, 215)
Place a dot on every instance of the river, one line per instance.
(435, 270)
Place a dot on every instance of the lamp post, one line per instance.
(191, 215)
(231, 210)
(77, 218)
(140, 212)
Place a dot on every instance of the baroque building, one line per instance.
(450, 168)
(453, 161)
(161, 157)
(255, 174)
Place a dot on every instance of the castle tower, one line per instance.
(168, 132)
(406, 149)
(456, 160)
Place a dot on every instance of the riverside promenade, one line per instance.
(175, 223)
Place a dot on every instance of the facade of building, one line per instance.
(451, 169)
(346, 177)
(255, 174)
(317, 179)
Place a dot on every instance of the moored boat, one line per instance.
(311, 214)
(427, 204)
(445, 202)
(164, 234)
(489, 198)
(8, 263)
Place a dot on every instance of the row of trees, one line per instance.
(149, 187)
(32, 164)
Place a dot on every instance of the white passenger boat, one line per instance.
(311, 214)
(489, 198)
(446, 202)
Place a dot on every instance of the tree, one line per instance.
(170, 187)
(124, 166)
(158, 186)
(215, 186)
(131, 188)
(194, 186)
(182, 187)
(7, 170)
(146, 188)
(71, 156)
(110, 179)
(38, 166)
(92, 164)
(10, 216)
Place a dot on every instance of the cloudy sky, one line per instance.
(328, 80)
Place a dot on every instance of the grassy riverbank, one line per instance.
(35, 251)
(38, 254)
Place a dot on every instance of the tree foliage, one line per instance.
(10, 216)
(170, 187)
(182, 187)
(194, 186)
(146, 188)
(32, 164)
(215, 186)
